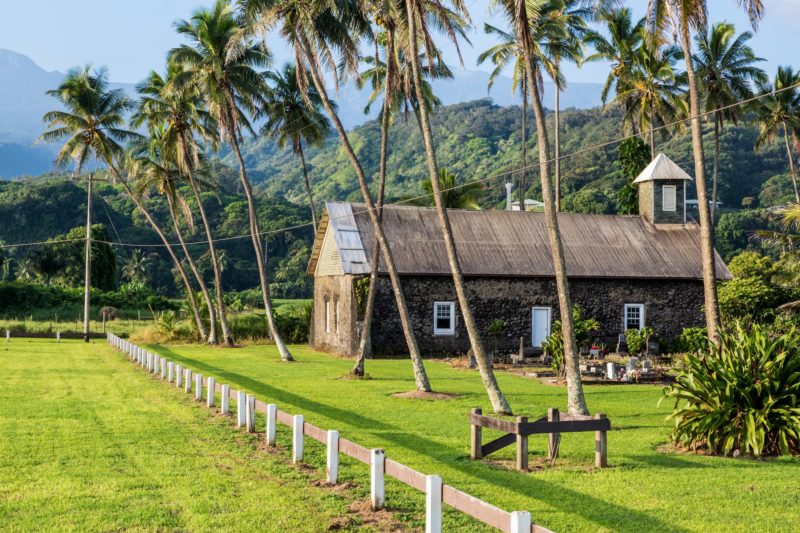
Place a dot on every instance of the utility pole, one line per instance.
(88, 275)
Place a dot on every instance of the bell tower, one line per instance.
(662, 191)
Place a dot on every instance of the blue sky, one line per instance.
(131, 37)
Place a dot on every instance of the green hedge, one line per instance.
(20, 298)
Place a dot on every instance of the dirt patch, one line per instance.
(421, 395)
(362, 514)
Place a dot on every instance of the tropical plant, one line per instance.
(633, 156)
(455, 193)
(293, 117)
(224, 68)
(726, 68)
(751, 264)
(636, 339)
(681, 18)
(554, 344)
(135, 267)
(741, 395)
(178, 114)
(692, 340)
(778, 111)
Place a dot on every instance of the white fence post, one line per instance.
(520, 522)
(376, 478)
(187, 380)
(250, 413)
(163, 367)
(226, 399)
(272, 419)
(212, 387)
(297, 439)
(58, 336)
(333, 457)
(198, 387)
(170, 372)
(433, 504)
(178, 375)
(240, 408)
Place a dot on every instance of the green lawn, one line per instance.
(645, 488)
(90, 443)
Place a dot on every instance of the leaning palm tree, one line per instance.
(681, 18)
(726, 69)
(315, 29)
(455, 193)
(778, 112)
(420, 18)
(524, 17)
(619, 48)
(654, 91)
(92, 125)
(226, 75)
(181, 111)
(294, 116)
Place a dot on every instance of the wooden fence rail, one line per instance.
(436, 492)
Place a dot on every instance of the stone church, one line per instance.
(626, 271)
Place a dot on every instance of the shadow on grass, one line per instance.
(595, 510)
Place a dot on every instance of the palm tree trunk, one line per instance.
(558, 149)
(212, 314)
(365, 342)
(575, 398)
(259, 249)
(212, 249)
(499, 402)
(715, 175)
(420, 375)
(706, 235)
(201, 328)
(308, 186)
(791, 162)
(652, 132)
(524, 134)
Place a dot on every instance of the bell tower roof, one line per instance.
(660, 169)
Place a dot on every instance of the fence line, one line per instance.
(436, 492)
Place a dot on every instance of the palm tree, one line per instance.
(181, 113)
(654, 90)
(683, 17)
(421, 15)
(135, 268)
(455, 194)
(725, 70)
(93, 128)
(224, 71)
(314, 29)
(619, 48)
(293, 116)
(778, 112)
(524, 17)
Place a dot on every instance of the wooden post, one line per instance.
(225, 400)
(272, 419)
(250, 413)
(187, 379)
(522, 446)
(553, 438)
(433, 504)
(520, 522)
(600, 445)
(476, 438)
(332, 470)
(376, 478)
(178, 375)
(198, 387)
(212, 388)
(241, 398)
(297, 439)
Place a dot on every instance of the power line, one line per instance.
(423, 196)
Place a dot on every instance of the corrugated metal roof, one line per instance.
(662, 168)
(505, 243)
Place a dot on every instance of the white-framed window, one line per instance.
(633, 317)
(327, 315)
(444, 318)
(669, 195)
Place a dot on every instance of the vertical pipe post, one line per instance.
(522, 445)
(297, 439)
(476, 437)
(250, 412)
(241, 399)
(225, 400)
(433, 504)
(272, 420)
(178, 376)
(332, 470)
(376, 478)
(212, 388)
(187, 380)
(170, 372)
(198, 387)
(520, 522)
(600, 445)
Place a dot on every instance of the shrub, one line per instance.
(554, 344)
(294, 324)
(692, 340)
(748, 299)
(750, 264)
(740, 395)
(637, 339)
